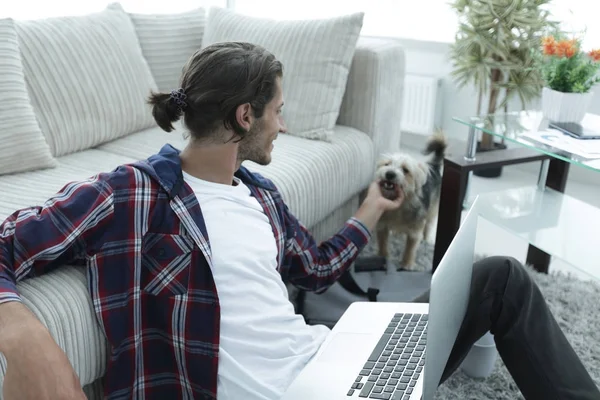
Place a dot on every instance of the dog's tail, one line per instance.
(437, 145)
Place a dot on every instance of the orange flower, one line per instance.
(549, 45)
(595, 54)
(566, 48)
(570, 52)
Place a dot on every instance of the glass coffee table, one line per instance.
(553, 223)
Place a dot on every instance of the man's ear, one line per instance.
(244, 116)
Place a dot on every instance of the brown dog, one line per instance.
(421, 183)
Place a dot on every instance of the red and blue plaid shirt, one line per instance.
(139, 229)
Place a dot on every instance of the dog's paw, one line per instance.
(406, 267)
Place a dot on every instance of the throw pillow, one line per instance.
(87, 78)
(168, 41)
(316, 57)
(22, 143)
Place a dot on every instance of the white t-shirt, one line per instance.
(263, 343)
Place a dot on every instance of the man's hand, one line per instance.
(37, 368)
(374, 195)
(374, 205)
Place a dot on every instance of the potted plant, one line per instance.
(569, 74)
(495, 51)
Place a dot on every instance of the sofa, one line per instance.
(73, 104)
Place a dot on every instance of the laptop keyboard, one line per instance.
(392, 370)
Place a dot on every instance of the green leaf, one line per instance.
(504, 36)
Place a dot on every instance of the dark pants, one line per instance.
(505, 301)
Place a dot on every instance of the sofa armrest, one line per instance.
(61, 301)
(372, 102)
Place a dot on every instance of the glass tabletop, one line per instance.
(531, 129)
(560, 225)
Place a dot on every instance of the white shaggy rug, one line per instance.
(575, 305)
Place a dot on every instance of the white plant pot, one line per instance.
(481, 360)
(565, 107)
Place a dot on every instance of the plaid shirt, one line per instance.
(140, 231)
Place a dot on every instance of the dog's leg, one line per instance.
(429, 224)
(427, 231)
(430, 221)
(409, 257)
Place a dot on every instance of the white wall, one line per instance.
(430, 58)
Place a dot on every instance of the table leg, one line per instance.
(454, 185)
(470, 156)
(558, 172)
(471, 145)
(543, 176)
(553, 174)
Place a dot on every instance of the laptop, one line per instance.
(398, 351)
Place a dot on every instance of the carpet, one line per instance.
(574, 304)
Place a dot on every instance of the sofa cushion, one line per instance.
(316, 57)
(168, 41)
(22, 143)
(87, 78)
(314, 177)
(33, 188)
(143, 144)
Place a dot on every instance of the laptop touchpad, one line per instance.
(345, 347)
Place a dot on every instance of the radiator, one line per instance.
(421, 109)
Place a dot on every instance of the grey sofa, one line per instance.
(320, 180)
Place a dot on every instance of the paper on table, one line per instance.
(585, 148)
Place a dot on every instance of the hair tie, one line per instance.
(178, 96)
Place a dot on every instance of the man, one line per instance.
(187, 254)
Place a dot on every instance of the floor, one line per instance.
(492, 240)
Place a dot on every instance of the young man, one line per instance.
(187, 253)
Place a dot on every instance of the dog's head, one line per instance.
(400, 171)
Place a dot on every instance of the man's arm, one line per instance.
(35, 240)
(315, 267)
(37, 368)
(69, 226)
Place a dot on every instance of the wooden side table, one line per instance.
(457, 170)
